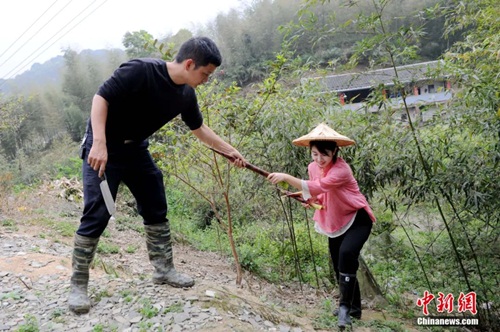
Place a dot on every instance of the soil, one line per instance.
(32, 221)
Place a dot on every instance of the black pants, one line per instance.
(345, 249)
(131, 164)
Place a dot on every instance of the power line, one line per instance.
(22, 62)
(36, 33)
(22, 34)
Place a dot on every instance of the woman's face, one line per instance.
(322, 160)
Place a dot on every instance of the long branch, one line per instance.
(265, 174)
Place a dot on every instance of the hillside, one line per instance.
(35, 265)
(47, 74)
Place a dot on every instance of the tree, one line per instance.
(13, 119)
(139, 44)
(83, 74)
(449, 164)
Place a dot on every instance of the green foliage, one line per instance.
(147, 310)
(128, 295)
(75, 121)
(98, 328)
(9, 224)
(264, 249)
(433, 185)
(70, 168)
(107, 248)
(16, 116)
(449, 165)
(66, 229)
(174, 308)
(445, 168)
(83, 74)
(137, 44)
(30, 324)
(11, 295)
(131, 249)
(101, 294)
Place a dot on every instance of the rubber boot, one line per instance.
(356, 302)
(160, 255)
(355, 311)
(83, 254)
(347, 285)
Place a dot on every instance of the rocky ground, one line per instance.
(35, 265)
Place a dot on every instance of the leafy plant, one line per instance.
(147, 310)
(107, 248)
(30, 324)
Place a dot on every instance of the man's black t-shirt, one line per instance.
(142, 98)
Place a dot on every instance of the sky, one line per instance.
(33, 31)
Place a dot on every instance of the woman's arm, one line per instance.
(283, 177)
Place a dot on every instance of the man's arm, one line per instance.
(98, 155)
(207, 136)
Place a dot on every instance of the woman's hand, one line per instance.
(275, 178)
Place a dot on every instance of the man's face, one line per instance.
(199, 75)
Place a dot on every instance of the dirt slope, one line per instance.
(36, 244)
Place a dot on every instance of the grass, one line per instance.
(105, 247)
(131, 249)
(53, 227)
(125, 222)
(101, 294)
(9, 225)
(11, 295)
(57, 316)
(30, 324)
(174, 308)
(128, 295)
(66, 229)
(147, 310)
(263, 249)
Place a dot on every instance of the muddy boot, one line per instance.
(347, 286)
(160, 254)
(83, 253)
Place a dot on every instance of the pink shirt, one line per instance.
(337, 190)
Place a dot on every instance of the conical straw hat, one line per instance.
(323, 133)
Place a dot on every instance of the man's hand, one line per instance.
(237, 159)
(98, 157)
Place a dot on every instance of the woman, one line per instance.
(346, 217)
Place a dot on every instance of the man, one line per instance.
(139, 98)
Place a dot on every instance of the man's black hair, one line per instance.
(202, 50)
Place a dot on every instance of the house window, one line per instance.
(431, 88)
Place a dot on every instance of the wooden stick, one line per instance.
(247, 165)
(298, 196)
(266, 174)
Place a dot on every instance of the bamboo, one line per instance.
(265, 174)
(247, 164)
